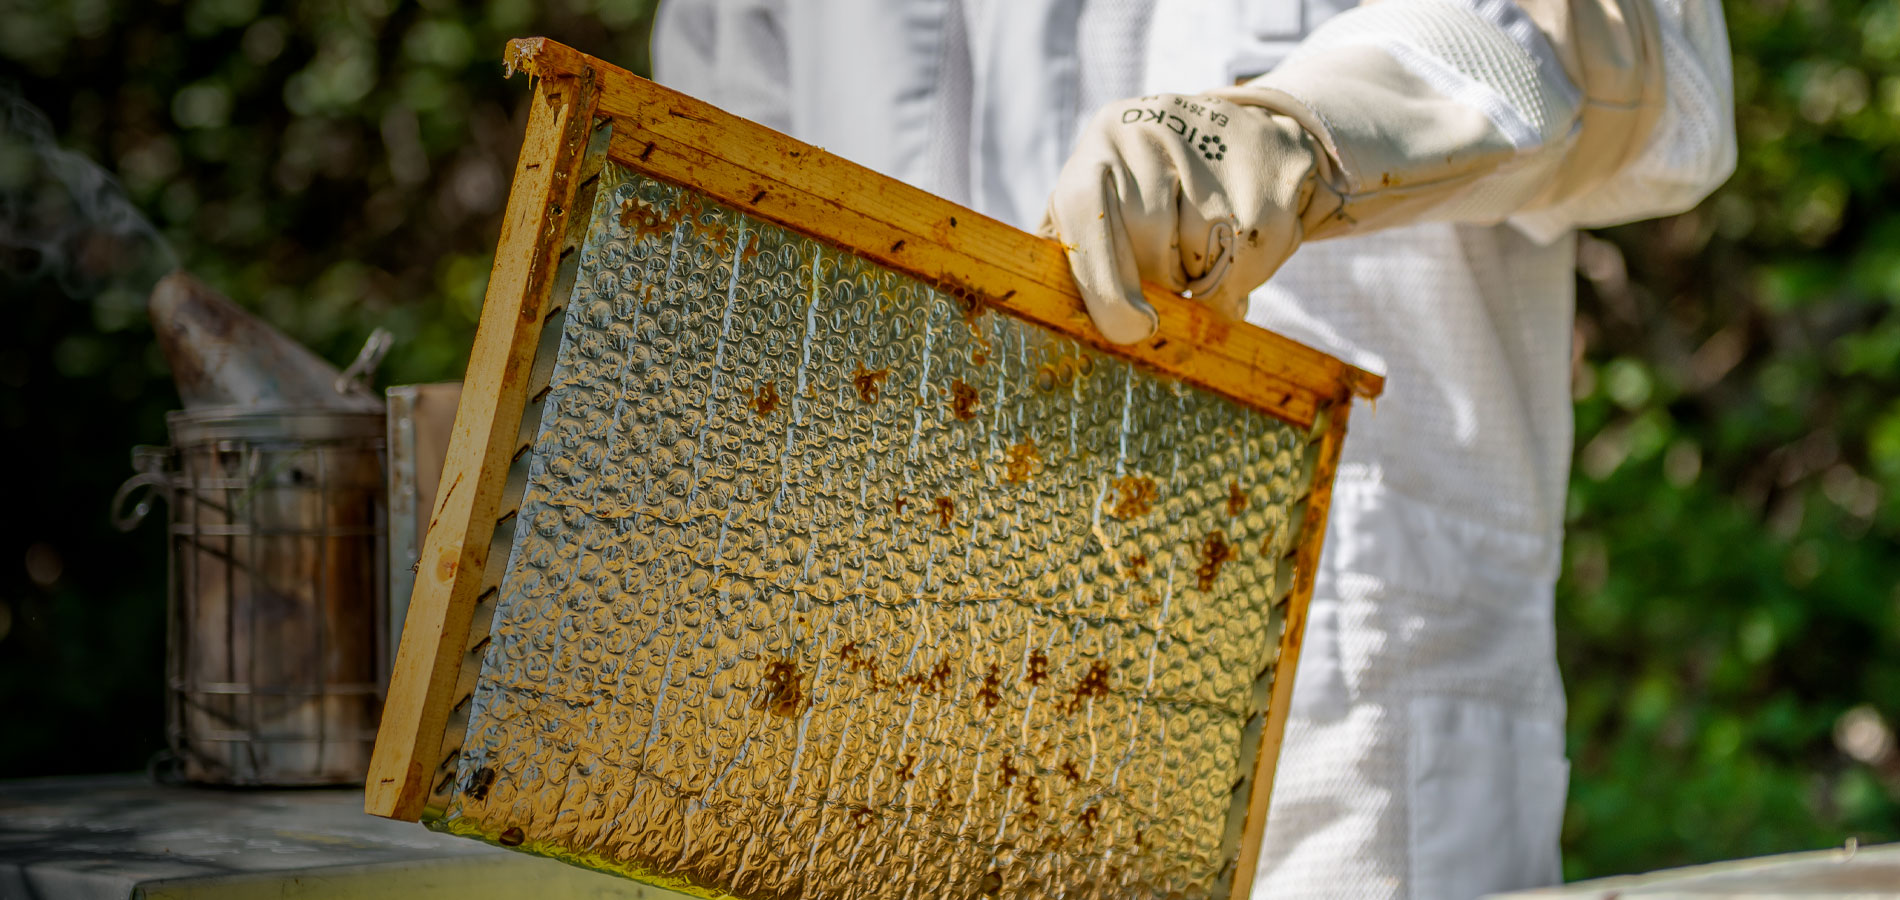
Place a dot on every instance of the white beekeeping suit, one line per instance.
(1452, 147)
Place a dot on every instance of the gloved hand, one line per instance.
(1198, 195)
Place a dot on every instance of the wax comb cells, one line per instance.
(825, 583)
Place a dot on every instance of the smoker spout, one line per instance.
(222, 356)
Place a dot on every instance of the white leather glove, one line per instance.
(1197, 195)
(1538, 112)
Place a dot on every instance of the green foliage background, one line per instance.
(1730, 607)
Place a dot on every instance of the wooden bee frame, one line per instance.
(588, 117)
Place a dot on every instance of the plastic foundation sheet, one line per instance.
(828, 584)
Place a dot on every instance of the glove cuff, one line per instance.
(1395, 150)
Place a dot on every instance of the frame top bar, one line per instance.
(988, 263)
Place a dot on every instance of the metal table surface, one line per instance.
(1865, 873)
(122, 836)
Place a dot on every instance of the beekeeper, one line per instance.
(1429, 161)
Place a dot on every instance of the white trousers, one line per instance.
(1408, 794)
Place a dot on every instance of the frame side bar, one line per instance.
(455, 551)
(1332, 428)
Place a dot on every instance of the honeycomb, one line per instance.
(828, 583)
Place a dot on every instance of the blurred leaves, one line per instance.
(1729, 615)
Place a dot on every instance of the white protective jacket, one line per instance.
(1425, 749)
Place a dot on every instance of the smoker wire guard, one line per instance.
(585, 112)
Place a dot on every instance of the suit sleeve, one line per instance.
(1548, 114)
(1688, 149)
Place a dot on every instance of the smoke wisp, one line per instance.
(65, 218)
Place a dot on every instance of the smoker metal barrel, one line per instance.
(275, 662)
